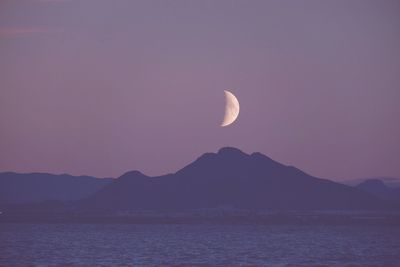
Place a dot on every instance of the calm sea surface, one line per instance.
(197, 245)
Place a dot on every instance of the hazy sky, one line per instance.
(100, 87)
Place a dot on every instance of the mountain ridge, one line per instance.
(227, 178)
(378, 188)
(233, 178)
(31, 187)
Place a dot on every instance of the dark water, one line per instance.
(197, 245)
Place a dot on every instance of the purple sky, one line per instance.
(100, 87)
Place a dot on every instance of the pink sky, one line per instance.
(101, 87)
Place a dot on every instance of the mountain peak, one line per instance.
(133, 174)
(231, 151)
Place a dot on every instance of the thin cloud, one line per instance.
(51, 1)
(14, 32)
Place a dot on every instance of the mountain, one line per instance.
(391, 182)
(230, 178)
(17, 188)
(378, 188)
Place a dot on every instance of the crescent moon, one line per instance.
(231, 109)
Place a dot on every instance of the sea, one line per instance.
(79, 244)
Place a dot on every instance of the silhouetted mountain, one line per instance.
(378, 188)
(230, 178)
(391, 182)
(37, 187)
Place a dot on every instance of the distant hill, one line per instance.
(230, 178)
(16, 188)
(380, 189)
(391, 182)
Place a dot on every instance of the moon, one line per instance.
(232, 108)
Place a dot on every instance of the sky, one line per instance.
(101, 87)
